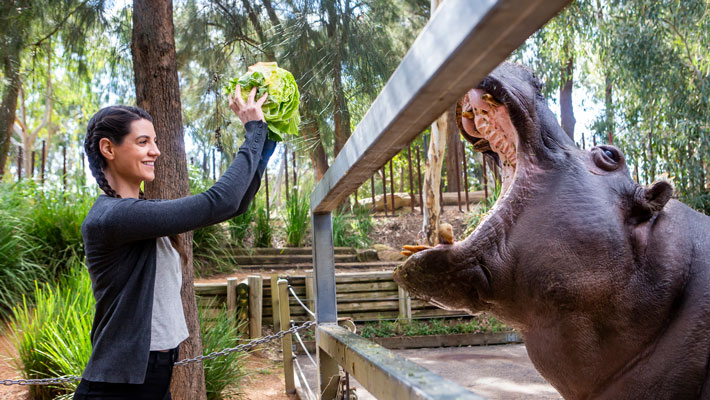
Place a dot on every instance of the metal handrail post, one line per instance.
(326, 306)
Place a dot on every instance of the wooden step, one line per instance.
(307, 266)
(287, 259)
(252, 251)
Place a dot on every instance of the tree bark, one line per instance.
(566, 110)
(259, 31)
(341, 114)
(432, 172)
(453, 144)
(270, 11)
(609, 108)
(158, 92)
(11, 69)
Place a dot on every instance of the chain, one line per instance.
(211, 356)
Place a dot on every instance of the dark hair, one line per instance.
(112, 123)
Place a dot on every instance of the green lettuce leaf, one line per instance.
(281, 106)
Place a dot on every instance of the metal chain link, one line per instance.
(211, 356)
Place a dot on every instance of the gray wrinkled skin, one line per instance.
(608, 281)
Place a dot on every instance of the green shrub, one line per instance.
(17, 270)
(479, 212)
(223, 374)
(239, 225)
(350, 231)
(211, 251)
(476, 324)
(53, 337)
(263, 230)
(297, 218)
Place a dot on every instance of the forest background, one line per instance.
(634, 73)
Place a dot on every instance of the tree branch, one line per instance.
(60, 24)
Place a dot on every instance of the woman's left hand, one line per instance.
(249, 111)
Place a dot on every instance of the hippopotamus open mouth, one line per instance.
(609, 281)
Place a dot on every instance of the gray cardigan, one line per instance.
(120, 242)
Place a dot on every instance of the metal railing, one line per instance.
(463, 42)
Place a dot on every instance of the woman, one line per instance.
(135, 269)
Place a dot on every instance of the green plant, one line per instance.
(211, 252)
(352, 231)
(53, 337)
(474, 218)
(296, 218)
(263, 230)
(239, 225)
(222, 374)
(17, 271)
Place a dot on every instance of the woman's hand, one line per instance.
(251, 111)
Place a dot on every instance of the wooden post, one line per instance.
(232, 295)
(32, 165)
(286, 170)
(411, 188)
(44, 158)
(266, 186)
(287, 341)
(465, 174)
(310, 294)
(64, 167)
(255, 305)
(419, 182)
(384, 190)
(485, 178)
(19, 163)
(372, 190)
(275, 310)
(458, 170)
(392, 185)
(405, 305)
(293, 162)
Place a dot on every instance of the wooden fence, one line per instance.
(362, 296)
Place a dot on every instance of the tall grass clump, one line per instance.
(263, 229)
(239, 225)
(296, 218)
(18, 272)
(52, 337)
(352, 230)
(211, 252)
(222, 374)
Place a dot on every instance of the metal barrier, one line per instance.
(461, 44)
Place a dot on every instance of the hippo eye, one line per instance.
(607, 157)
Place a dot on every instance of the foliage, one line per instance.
(239, 225)
(477, 324)
(263, 229)
(53, 337)
(476, 216)
(296, 218)
(211, 252)
(222, 374)
(352, 230)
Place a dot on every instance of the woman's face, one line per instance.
(134, 159)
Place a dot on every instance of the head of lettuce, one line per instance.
(281, 106)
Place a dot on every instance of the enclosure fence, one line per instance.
(463, 42)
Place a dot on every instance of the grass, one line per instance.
(477, 324)
(222, 374)
(352, 229)
(474, 218)
(238, 226)
(297, 218)
(263, 229)
(210, 251)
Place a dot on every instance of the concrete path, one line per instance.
(494, 372)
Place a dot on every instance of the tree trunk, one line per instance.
(270, 11)
(566, 109)
(609, 108)
(453, 144)
(432, 172)
(259, 31)
(341, 114)
(158, 92)
(11, 69)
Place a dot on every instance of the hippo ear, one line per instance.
(650, 201)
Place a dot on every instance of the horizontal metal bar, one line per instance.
(382, 372)
(464, 41)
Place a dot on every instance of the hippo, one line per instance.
(607, 280)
